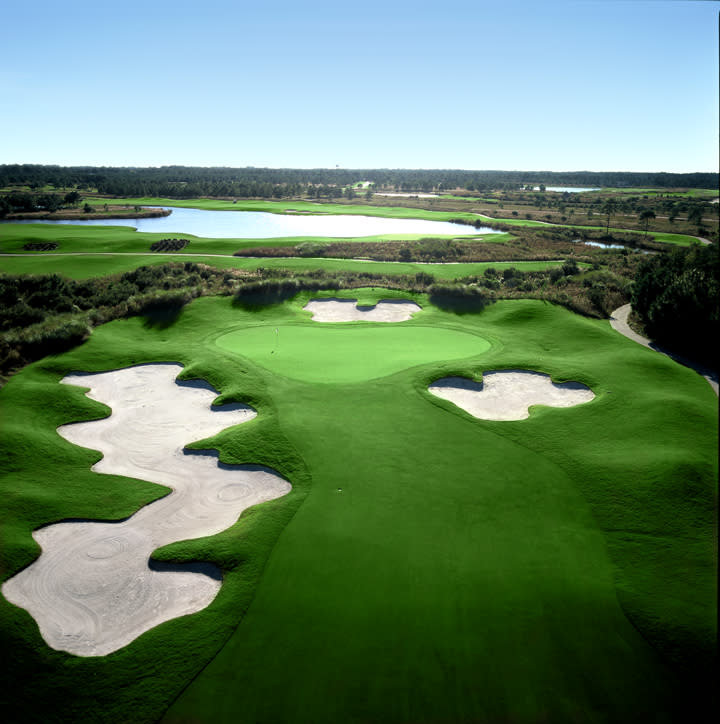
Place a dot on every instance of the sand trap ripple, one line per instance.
(93, 590)
(347, 310)
(508, 394)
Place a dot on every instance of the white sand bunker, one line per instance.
(92, 590)
(347, 310)
(508, 394)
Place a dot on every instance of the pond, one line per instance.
(263, 225)
(568, 189)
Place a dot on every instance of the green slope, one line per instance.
(427, 566)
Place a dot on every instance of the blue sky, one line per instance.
(555, 85)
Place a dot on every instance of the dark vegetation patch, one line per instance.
(20, 204)
(41, 246)
(47, 314)
(266, 292)
(169, 245)
(459, 298)
(677, 297)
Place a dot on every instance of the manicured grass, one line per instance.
(342, 353)
(427, 566)
(675, 239)
(85, 266)
(123, 239)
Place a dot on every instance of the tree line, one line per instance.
(677, 297)
(193, 182)
(24, 202)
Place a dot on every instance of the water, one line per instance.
(569, 189)
(601, 245)
(263, 225)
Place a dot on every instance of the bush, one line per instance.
(40, 246)
(570, 268)
(310, 249)
(676, 297)
(169, 245)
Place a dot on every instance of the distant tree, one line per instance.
(49, 202)
(646, 216)
(73, 198)
(87, 208)
(21, 201)
(695, 215)
(609, 207)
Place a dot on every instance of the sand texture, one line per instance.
(508, 394)
(347, 310)
(93, 590)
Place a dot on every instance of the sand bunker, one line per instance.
(508, 394)
(92, 590)
(347, 310)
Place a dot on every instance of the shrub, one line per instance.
(676, 297)
(310, 249)
(169, 245)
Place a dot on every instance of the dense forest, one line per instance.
(192, 182)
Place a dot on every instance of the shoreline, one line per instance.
(76, 215)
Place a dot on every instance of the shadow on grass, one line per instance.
(161, 316)
(256, 299)
(459, 303)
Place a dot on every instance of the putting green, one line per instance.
(349, 353)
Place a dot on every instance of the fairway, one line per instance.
(425, 565)
(349, 353)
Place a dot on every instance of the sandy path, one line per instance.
(505, 395)
(619, 322)
(92, 590)
(347, 310)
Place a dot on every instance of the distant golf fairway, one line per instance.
(427, 566)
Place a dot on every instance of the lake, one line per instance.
(263, 225)
(568, 189)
